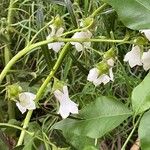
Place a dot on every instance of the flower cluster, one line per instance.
(99, 75)
(137, 57)
(57, 30)
(102, 73)
(81, 46)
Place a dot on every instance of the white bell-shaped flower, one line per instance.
(146, 60)
(146, 33)
(134, 57)
(66, 105)
(84, 34)
(97, 79)
(110, 62)
(26, 101)
(56, 46)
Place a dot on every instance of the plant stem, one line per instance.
(30, 133)
(7, 55)
(98, 10)
(32, 46)
(131, 133)
(42, 89)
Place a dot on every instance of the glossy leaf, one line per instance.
(134, 14)
(98, 118)
(144, 131)
(141, 96)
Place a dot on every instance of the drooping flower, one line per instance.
(146, 60)
(110, 62)
(67, 106)
(95, 77)
(56, 32)
(84, 34)
(26, 101)
(134, 57)
(146, 33)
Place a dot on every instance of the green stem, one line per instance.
(30, 133)
(98, 10)
(7, 55)
(42, 89)
(92, 40)
(32, 46)
(131, 133)
(16, 127)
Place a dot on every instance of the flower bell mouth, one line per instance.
(134, 57)
(81, 46)
(146, 60)
(56, 32)
(146, 33)
(26, 101)
(97, 79)
(67, 106)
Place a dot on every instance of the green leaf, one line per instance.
(141, 96)
(79, 142)
(134, 14)
(144, 131)
(29, 140)
(98, 118)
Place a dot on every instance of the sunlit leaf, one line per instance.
(97, 118)
(134, 14)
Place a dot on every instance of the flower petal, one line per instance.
(93, 74)
(21, 108)
(147, 33)
(58, 94)
(66, 107)
(56, 46)
(26, 95)
(65, 91)
(104, 79)
(26, 101)
(110, 62)
(79, 47)
(31, 105)
(134, 57)
(53, 32)
(59, 32)
(111, 74)
(146, 60)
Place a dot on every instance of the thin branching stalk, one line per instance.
(42, 89)
(7, 54)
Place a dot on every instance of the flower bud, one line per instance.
(58, 21)
(140, 41)
(110, 54)
(87, 22)
(57, 85)
(103, 67)
(13, 90)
